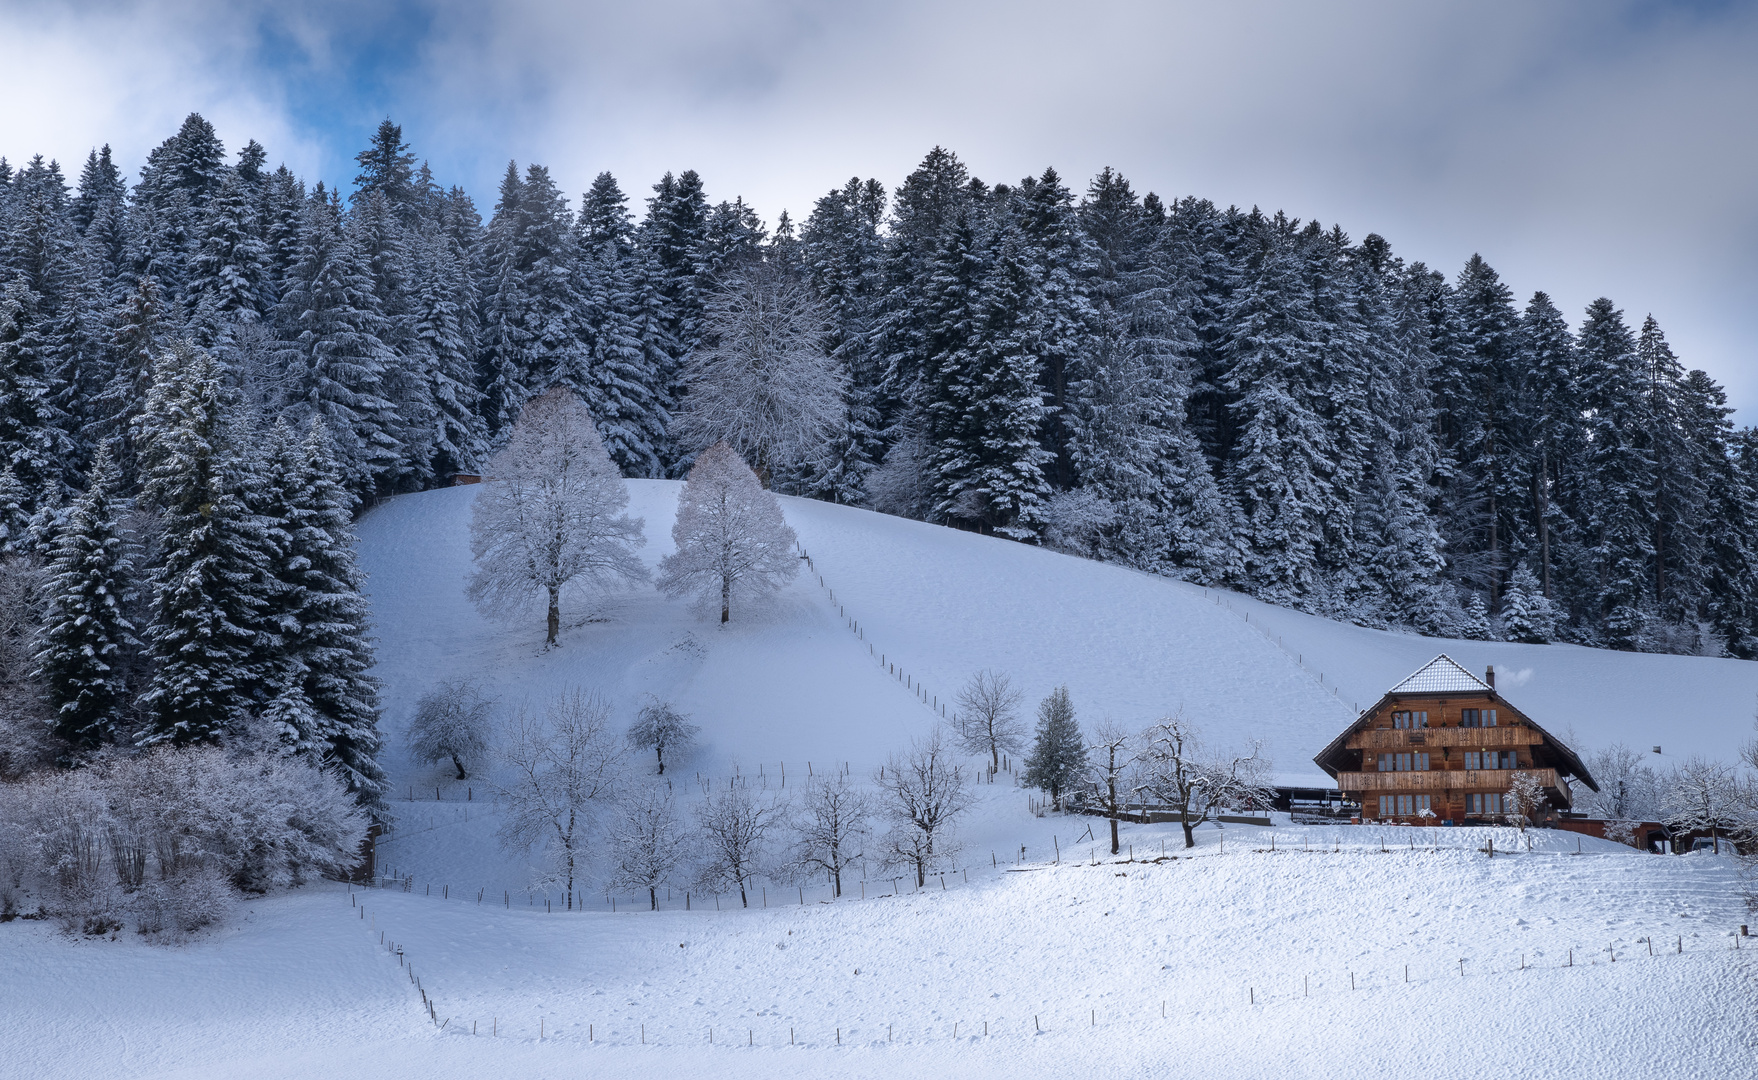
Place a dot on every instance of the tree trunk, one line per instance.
(652, 898)
(836, 874)
(660, 750)
(1189, 829)
(1111, 789)
(743, 899)
(555, 614)
(725, 599)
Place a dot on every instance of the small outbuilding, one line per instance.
(1442, 747)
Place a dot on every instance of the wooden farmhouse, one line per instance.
(1442, 747)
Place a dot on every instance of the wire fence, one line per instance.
(1250, 996)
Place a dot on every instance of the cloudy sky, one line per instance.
(1585, 148)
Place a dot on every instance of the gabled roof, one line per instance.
(1442, 675)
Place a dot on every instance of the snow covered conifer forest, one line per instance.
(1232, 397)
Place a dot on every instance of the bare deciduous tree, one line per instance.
(550, 518)
(562, 767)
(730, 535)
(1176, 772)
(988, 717)
(762, 380)
(647, 840)
(1109, 759)
(658, 727)
(923, 792)
(1525, 799)
(451, 722)
(735, 836)
(1704, 796)
(833, 826)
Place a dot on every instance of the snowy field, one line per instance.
(1046, 970)
(1068, 957)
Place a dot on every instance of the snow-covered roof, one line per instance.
(1441, 675)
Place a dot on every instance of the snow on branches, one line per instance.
(551, 518)
(731, 538)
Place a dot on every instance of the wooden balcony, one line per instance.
(1445, 780)
(1491, 738)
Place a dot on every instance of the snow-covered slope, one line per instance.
(1296, 964)
(794, 683)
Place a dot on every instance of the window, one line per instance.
(1403, 805)
(1410, 719)
(1491, 759)
(1404, 762)
(1484, 804)
(1477, 718)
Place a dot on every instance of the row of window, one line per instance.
(1491, 759)
(1403, 762)
(1474, 759)
(1410, 719)
(1417, 805)
(1403, 805)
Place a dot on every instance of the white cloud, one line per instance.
(1585, 148)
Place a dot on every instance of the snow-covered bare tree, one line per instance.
(550, 518)
(659, 727)
(988, 717)
(1110, 756)
(647, 840)
(1058, 757)
(762, 380)
(562, 769)
(922, 794)
(1176, 772)
(833, 823)
(735, 835)
(731, 538)
(1703, 796)
(451, 723)
(1525, 799)
(1628, 791)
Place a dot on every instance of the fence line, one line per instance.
(1260, 995)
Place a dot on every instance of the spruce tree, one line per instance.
(212, 588)
(1526, 615)
(324, 700)
(86, 630)
(1059, 754)
(1620, 463)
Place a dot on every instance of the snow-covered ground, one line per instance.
(1289, 963)
(1249, 947)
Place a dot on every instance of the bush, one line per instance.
(164, 839)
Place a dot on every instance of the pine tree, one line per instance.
(1620, 465)
(86, 630)
(33, 437)
(387, 169)
(15, 517)
(212, 587)
(1474, 625)
(321, 616)
(1526, 615)
(333, 355)
(1059, 753)
(228, 281)
(1281, 464)
(624, 388)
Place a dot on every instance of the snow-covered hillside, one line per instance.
(795, 684)
(1286, 952)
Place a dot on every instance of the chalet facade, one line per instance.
(1442, 747)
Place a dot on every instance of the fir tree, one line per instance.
(327, 701)
(1526, 615)
(1059, 754)
(86, 630)
(211, 588)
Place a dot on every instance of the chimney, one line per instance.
(1489, 676)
